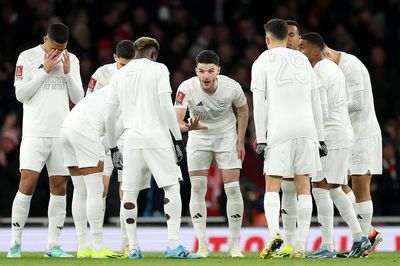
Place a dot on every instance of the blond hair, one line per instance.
(144, 43)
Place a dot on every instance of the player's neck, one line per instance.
(44, 48)
(315, 60)
(277, 44)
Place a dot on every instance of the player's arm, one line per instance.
(320, 82)
(169, 115)
(355, 87)
(73, 78)
(242, 117)
(27, 85)
(258, 87)
(112, 104)
(317, 113)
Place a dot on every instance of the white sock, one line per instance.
(79, 211)
(234, 211)
(364, 211)
(129, 213)
(271, 211)
(304, 211)
(325, 216)
(289, 211)
(19, 215)
(94, 208)
(56, 212)
(346, 210)
(352, 198)
(124, 235)
(198, 208)
(173, 212)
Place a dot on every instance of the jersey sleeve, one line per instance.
(28, 79)
(93, 82)
(258, 79)
(112, 95)
(181, 98)
(164, 85)
(354, 81)
(239, 99)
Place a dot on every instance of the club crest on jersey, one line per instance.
(180, 97)
(92, 84)
(18, 72)
(222, 102)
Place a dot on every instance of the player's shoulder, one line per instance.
(73, 57)
(33, 51)
(350, 63)
(106, 68)
(189, 84)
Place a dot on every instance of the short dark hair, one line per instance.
(315, 39)
(277, 27)
(290, 22)
(207, 57)
(58, 32)
(125, 49)
(144, 43)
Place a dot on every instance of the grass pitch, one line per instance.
(220, 259)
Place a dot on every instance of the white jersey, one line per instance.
(365, 124)
(291, 88)
(135, 89)
(101, 77)
(45, 96)
(88, 116)
(215, 110)
(337, 127)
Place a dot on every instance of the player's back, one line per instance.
(289, 78)
(337, 127)
(138, 86)
(365, 124)
(88, 116)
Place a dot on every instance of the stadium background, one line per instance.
(234, 29)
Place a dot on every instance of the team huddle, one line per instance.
(314, 121)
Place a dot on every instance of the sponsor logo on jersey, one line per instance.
(180, 97)
(18, 72)
(199, 104)
(222, 102)
(92, 83)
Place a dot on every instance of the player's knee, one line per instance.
(232, 190)
(288, 187)
(199, 185)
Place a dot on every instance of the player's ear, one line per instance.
(218, 70)
(115, 57)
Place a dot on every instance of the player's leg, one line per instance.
(289, 216)
(199, 161)
(324, 204)
(135, 177)
(167, 175)
(32, 157)
(78, 209)
(198, 208)
(124, 235)
(58, 200)
(306, 162)
(234, 208)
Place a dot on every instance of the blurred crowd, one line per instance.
(234, 29)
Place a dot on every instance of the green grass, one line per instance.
(221, 259)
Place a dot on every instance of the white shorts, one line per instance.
(298, 156)
(35, 152)
(200, 153)
(366, 156)
(140, 164)
(80, 150)
(334, 167)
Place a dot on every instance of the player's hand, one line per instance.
(323, 149)
(50, 60)
(116, 157)
(240, 151)
(194, 124)
(180, 151)
(66, 62)
(260, 150)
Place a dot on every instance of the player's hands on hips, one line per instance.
(323, 149)
(180, 151)
(51, 59)
(66, 62)
(240, 150)
(193, 124)
(116, 157)
(260, 150)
